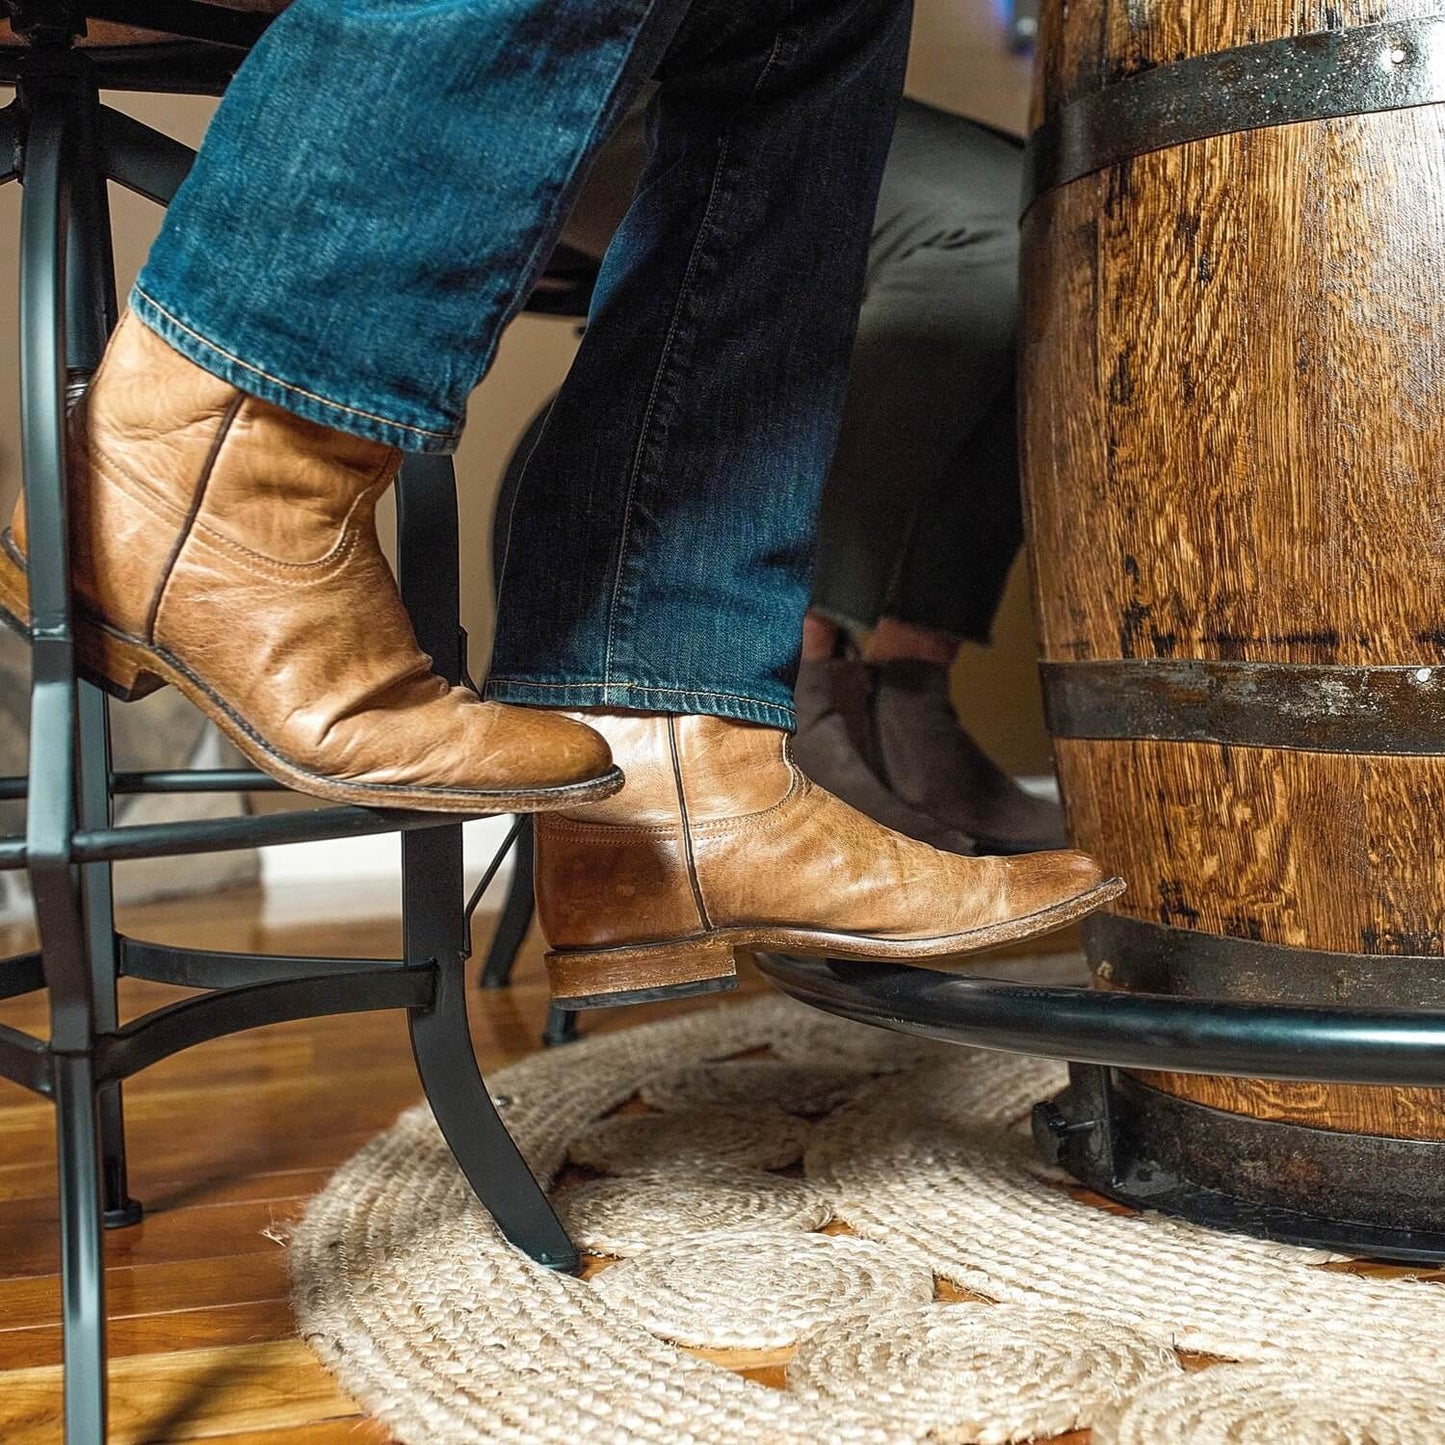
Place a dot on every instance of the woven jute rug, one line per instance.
(922, 1277)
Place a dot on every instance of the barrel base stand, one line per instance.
(1149, 1150)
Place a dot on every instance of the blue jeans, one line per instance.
(378, 192)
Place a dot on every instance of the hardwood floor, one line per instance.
(227, 1142)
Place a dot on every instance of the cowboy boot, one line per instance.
(717, 842)
(929, 760)
(832, 744)
(227, 547)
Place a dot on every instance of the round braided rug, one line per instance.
(758, 1293)
(764, 1138)
(965, 1373)
(638, 1212)
(433, 1322)
(1267, 1405)
(755, 1083)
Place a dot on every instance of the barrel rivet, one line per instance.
(1399, 55)
(1422, 674)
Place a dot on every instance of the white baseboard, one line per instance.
(293, 874)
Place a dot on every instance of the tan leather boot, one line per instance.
(229, 548)
(718, 842)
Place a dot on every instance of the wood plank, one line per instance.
(171, 1194)
(186, 1395)
(167, 1237)
(236, 1278)
(239, 1324)
(356, 1430)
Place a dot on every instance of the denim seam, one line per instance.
(624, 542)
(638, 686)
(703, 235)
(205, 341)
(593, 694)
(617, 75)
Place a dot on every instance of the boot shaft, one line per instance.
(160, 448)
(602, 868)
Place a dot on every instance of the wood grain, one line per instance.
(1233, 450)
(1233, 362)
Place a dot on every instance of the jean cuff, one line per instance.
(287, 395)
(639, 697)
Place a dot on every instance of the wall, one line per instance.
(959, 62)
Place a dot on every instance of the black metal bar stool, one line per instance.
(63, 145)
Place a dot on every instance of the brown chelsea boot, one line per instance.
(717, 841)
(225, 546)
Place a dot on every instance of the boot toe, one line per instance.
(547, 749)
(1044, 880)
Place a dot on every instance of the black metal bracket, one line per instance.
(1394, 65)
(22, 974)
(1249, 704)
(1076, 1129)
(163, 1032)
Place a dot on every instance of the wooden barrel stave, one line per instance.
(1232, 365)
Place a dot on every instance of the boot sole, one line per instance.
(129, 669)
(705, 963)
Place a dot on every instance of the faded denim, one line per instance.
(375, 198)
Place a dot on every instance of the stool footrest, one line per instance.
(206, 968)
(163, 1032)
(24, 973)
(1127, 1030)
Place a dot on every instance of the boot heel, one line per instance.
(643, 973)
(122, 669)
(111, 663)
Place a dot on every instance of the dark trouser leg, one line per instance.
(660, 544)
(921, 517)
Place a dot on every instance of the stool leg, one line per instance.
(82, 1254)
(98, 902)
(561, 1027)
(516, 916)
(434, 923)
(56, 104)
(432, 890)
(90, 316)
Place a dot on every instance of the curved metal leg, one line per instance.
(434, 922)
(432, 887)
(516, 916)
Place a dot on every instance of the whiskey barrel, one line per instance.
(1234, 452)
